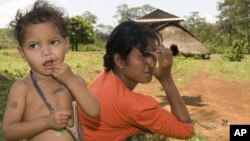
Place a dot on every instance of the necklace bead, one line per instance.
(40, 77)
(52, 91)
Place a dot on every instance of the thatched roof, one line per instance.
(186, 42)
(174, 34)
(158, 16)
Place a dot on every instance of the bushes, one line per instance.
(91, 47)
(6, 39)
(236, 52)
(215, 49)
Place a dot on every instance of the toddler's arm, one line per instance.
(14, 128)
(77, 87)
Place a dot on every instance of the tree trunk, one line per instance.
(73, 46)
(248, 38)
(247, 4)
(230, 35)
(76, 47)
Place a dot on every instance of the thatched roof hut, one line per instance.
(180, 40)
(177, 38)
(159, 16)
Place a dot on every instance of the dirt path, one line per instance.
(214, 104)
(221, 103)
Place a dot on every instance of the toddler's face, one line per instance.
(43, 46)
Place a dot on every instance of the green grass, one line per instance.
(145, 136)
(88, 64)
(234, 71)
(184, 68)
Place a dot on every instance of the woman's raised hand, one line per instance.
(163, 57)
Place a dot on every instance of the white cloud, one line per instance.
(9, 8)
(210, 18)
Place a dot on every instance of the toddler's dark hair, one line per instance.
(41, 12)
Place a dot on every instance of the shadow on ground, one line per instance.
(189, 100)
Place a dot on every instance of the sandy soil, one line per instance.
(213, 103)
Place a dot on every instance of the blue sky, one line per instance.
(106, 9)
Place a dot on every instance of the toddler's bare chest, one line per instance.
(36, 107)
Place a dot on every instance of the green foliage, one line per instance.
(126, 13)
(234, 19)
(236, 52)
(80, 31)
(4, 88)
(214, 48)
(233, 25)
(91, 18)
(102, 32)
(6, 39)
(147, 136)
(206, 32)
(92, 47)
(197, 137)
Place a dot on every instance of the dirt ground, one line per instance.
(213, 103)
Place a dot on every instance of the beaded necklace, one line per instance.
(40, 78)
(52, 91)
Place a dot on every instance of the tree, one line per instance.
(90, 17)
(124, 13)
(198, 26)
(80, 31)
(102, 32)
(193, 21)
(234, 19)
(236, 52)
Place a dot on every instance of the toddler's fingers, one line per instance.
(74, 104)
(66, 114)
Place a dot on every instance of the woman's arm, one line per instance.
(163, 73)
(177, 104)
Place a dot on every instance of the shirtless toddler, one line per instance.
(40, 106)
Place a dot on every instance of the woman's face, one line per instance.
(136, 68)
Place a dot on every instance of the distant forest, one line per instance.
(232, 27)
